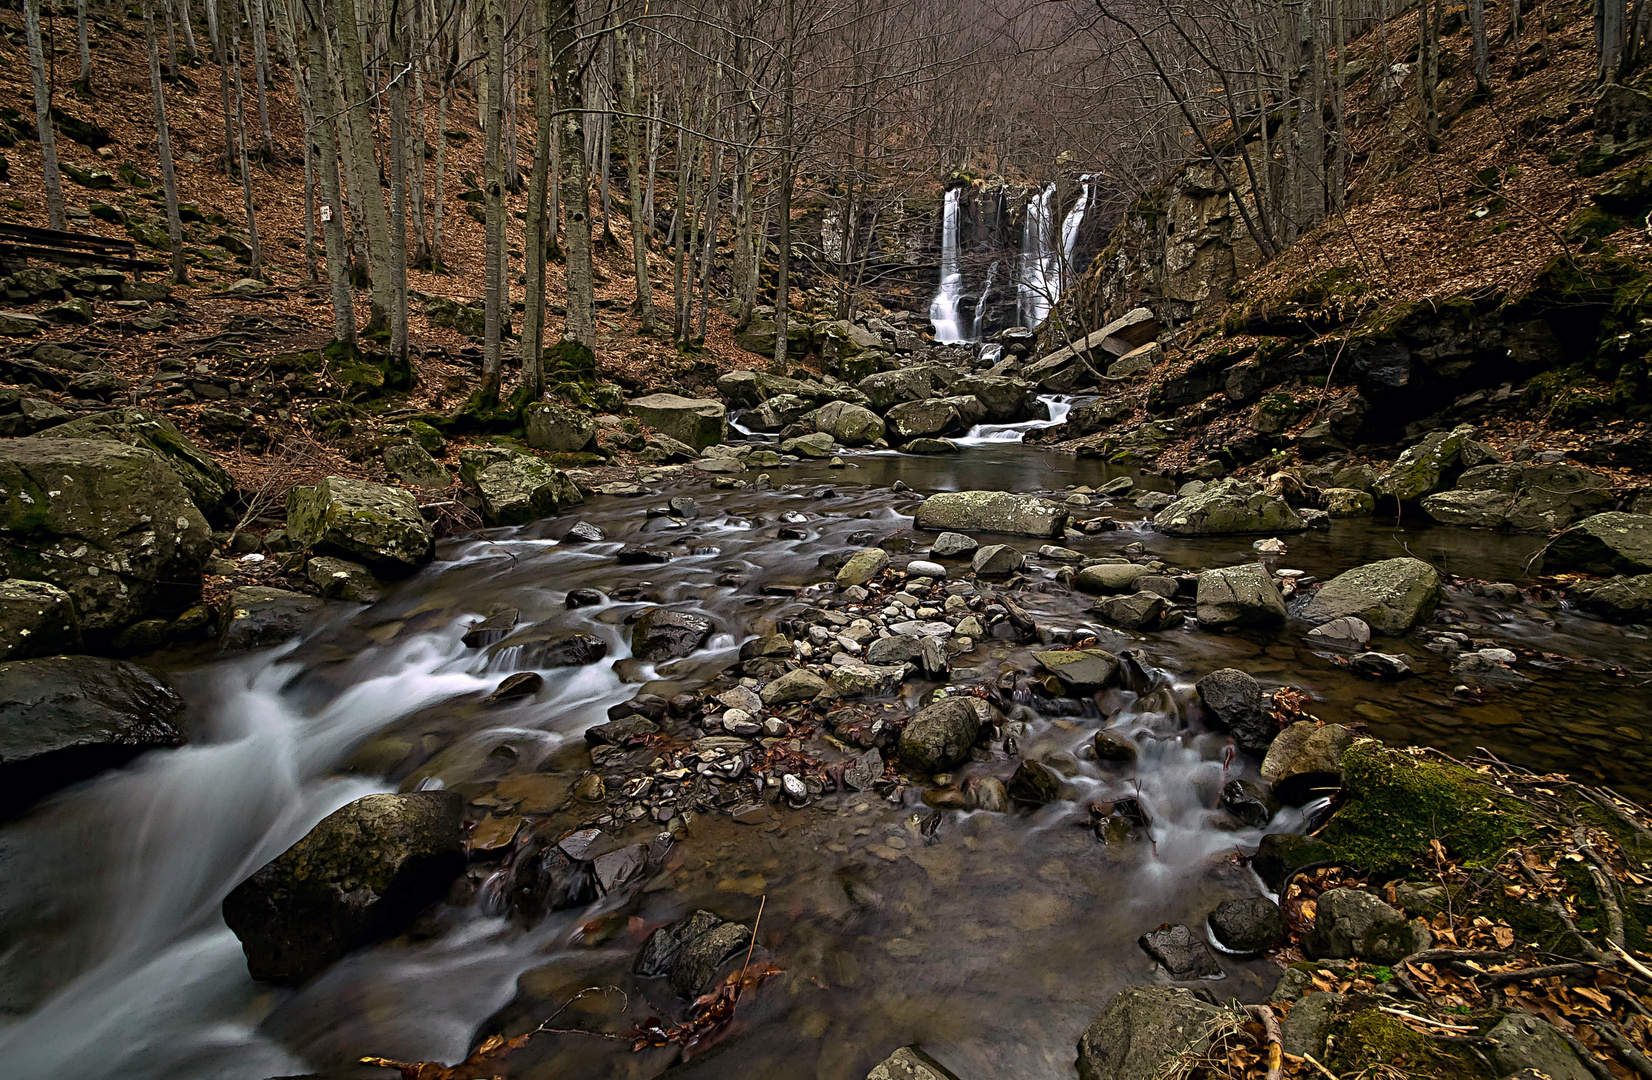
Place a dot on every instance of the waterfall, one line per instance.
(943, 309)
(981, 304)
(1043, 266)
(1070, 227)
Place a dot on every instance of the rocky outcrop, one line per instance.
(991, 511)
(1228, 507)
(109, 524)
(209, 486)
(663, 634)
(557, 428)
(698, 422)
(36, 619)
(851, 425)
(1390, 596)
(1425, 468)
(65, 718)
(255, 616)
(360, 875)
(375, 525)
(1525, 498)
(940, 735)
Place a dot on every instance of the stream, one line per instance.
(991, 943)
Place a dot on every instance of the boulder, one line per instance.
(65, 718)
(952, 545)
(747, 389)
(1034, 784)
(689, 951)
(1343, 635)
(517, 488)
(1138, 361)
(558, 428)
(1620, 600)
(996, 560)
(940, 735)
(922, 649)
(1005, 400)
(36, 619)
(1235, 703)
(798, 685)
(255, 616)
(1425, 468)
(856, 680)
(662, 634)
(1347, 502)
(341, 579)
(1305, 760)
(928, 418)
(1525, 498)
(699, 422)
(205, 480)
(909, 1063)
(841, 339)
(1142, 610)
(1351, 924)
(817, 445)
(1226, 507)
(411, 463)
(991, 511)
(1380, 665)
(1303, 1031)
(1141, 1029)
(1610, 543)
(762, 333)
(1521, 1041)
(1248, 925)
(1390, 596)
(1110, 578)
(851, 425)
(1242, 595)
(862, 567)
(375, 525)
(550, 874)
(886, 388)
(360, 875)
(1081, 671)
(111, 525)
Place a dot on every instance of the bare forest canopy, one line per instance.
(703, 131)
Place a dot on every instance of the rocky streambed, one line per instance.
(924, 752)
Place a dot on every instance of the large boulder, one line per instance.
(516, 488)
(699, 422)
(1619, 600)
(862, 567)
(209, 486)
(557, 428)
(841, 339)
(65, 718)
(1610, 543)
(360, 875)
(886, 388)
(1391, 596)
(1243, 595)
(411, 463)
(662, 634)
(111, 525)
(991, 511)
(1141, 1029)
(747, 389)
(1110, 578)
(928, 418)
(373, 524)
(1306, 760)
(36, 619)
(1005, 400)
(1425, 468)
(763, 331)
(940, 735)
(1526, 498)
(1226, 507)
(1234, 701)
(1081, 671)
(851, 425)
(255, 616)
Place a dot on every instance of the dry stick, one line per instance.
(755, 923)
(1276, 1046)
(1610, 1033)
(1503, 978)
(1558, 910)
(1603, 887)
(1589, 1058)
(1425, 1020)
(1311, 1060)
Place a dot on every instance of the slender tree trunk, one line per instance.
(1482, 59)
(163, 147)
(43, 115)
(319, 79)
(84, 82)
(186, 19)
(493, 189)
(171, 42)
(533, 308)
(286, 34)
(221, 55)
(1428, 69)
(261, 69)
(788, 179)
(212, 31)
(570, 102)
(396, 150)
(256, 256)
(633, 176)
(437, 194)
(364, 173)
(655, 113)
(421, 114)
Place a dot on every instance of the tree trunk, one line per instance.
(493, 189)
(363, 167)
(437, 193)
(163, 147)
(396, 150)
(256, 257)
(788, 179)
(84, 82)
(185, 18)
(319, 79)
(576, 201)
(43, 115)
(221, 54)
(286, 33)
(644, 306)
(533, 310)
(261, 69)
(1482, 59)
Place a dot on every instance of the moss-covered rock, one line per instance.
(210, 487)
(516, 488)
(1360, 1039)
(1425, 468)
(373, 524)
(1391, 596)
(1611, 543)
(1228, 507)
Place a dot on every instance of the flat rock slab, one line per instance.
(1183, 953)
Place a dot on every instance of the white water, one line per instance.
(980, 434)
(981, 304)
(943, 309)
(1044, 265)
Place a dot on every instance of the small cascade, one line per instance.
(1070, 226)
(983, 434)
(1044, 267)
(943, 309)
(981, 304)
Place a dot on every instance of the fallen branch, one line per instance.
(1615, 1038)
(1589, 1058)
(1276, 1046)
(1424, 1019)
(1311, 1060)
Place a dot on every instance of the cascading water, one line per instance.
(943, 309)
(1044, 266)
(1057, 405)
(981, 304)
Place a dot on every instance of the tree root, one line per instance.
(1276, 1046)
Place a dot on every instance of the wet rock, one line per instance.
(375, 525)
(741, 722)
(1034, 784)
(640, 556)
(516, 488)
(1350, 924)
(691, 951)
(1526, 498)
(1227, 507)
(1391, 596)
(583, 532)
(1139, 611)
(360, 875)
(940, 735)
(663, 634)
(922, 649)
(1523, 1041)
(795, 790)
(849, 424)
(862, 567)
(951, 545)
(684, 507)
(1235, 703)
(1279, 855)
(1425, 468)
(1346, 634)
(925, 568)
(1112, 747)
(1246, 802)
(1141, 1029)
(1620, 600)
(887, 388)
(1183, 953)
(991, 511)
(523, 684)
(1306, 760)
(65, 718)
(1243, 595)
(1152, 502)
(550, 875)
(930, 446)
(618, 869)
(698, 422)
(1347, 502)
(491, 629)
(799, 685)
(1248, 925)
(854, 680)
(1611, 543)
(621, 732)
(341, 579)
(1109, 578)
(36, 619)
(909, 1063)
(1081, 671)
(553, 648)
(591, 788)
(208, 484)
(109, 524)
(863, 771)
(1379, 665)
(255, 616)
(578, 598)
(557, 428)
(996, 560)
(817, 445)
(991, 795)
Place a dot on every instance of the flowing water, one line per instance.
(992, 942)
(943, 309)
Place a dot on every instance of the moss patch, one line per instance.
(1361, 1040)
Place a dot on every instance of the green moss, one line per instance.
(1359, 1041)
(1571, 395)
(1338, 281)
(1590, 225)
(1277, 404)
(1397, 804)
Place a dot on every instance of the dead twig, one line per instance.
(1270, 1029)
